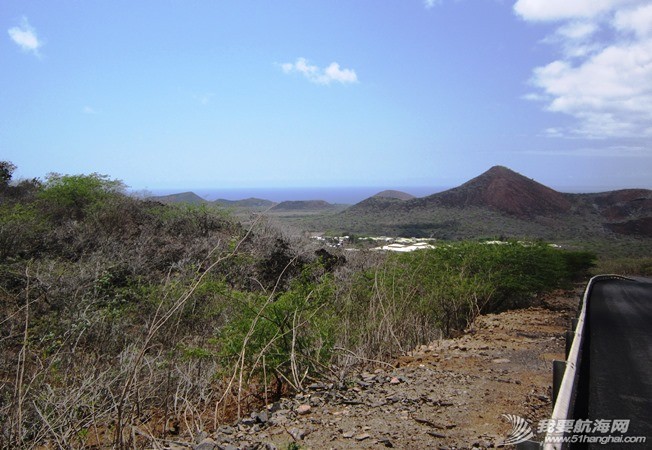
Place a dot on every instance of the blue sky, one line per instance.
(204, 94)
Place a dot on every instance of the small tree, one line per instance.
(6, 171)
(72, 195)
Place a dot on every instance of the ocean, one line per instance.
(341, 195)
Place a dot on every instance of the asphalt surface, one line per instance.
(620, 356)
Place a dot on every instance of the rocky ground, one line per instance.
(450, 394)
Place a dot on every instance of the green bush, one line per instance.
(71, 196)
(288, 335)
(7, 169)
(445, 288)
(21, 230)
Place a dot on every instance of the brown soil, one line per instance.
(447, 395)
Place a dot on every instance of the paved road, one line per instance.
(620, 355)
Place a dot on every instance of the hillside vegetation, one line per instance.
(127, 319)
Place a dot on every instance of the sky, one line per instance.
(202, 94)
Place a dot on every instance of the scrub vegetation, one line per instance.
(125, 319)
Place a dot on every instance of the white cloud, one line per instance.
(25, 37)
(577, 30)
(604, 77)
(575, 38)
(557, 10)
(553, 132)
(333, 72)
(617, 151)
(637, 20)
(431, 3)
(321, 76)
(89, 110)
(534, 96)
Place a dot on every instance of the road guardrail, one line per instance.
(566, 373)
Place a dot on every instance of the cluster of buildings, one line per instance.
(389, 244)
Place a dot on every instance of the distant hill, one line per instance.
(246, 203)
(183, 197)
(375, 204)
(499, 188)
(503, 202)
(303, 205)
(499, 202)
(504, 190)
(381, 201)
(394, 194)
(617, 205)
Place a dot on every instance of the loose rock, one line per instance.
(206, 444)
